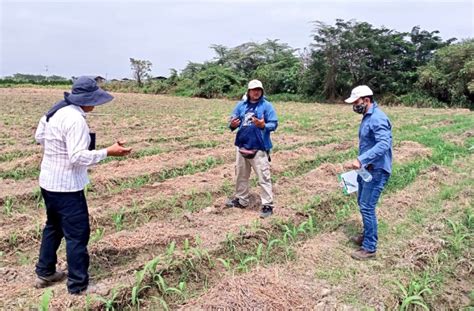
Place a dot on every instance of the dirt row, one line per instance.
(104, 206)
(300, 284)
(202, 223)
(101, 200)
(177, 154)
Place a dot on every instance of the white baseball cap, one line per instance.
(358, 92)
(255, 84)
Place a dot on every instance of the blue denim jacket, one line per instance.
(375, 140)
(264, 109)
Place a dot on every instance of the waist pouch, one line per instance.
(248, 154)
(249, 140)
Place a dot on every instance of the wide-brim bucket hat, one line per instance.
(86, 92)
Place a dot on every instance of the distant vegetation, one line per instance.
(20, 78)
(415, 68)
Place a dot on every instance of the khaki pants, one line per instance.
(261, 167)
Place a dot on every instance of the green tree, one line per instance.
(140, 70)
(272, 62)
(449, 76)
(425, 43)
(351, 53)
(216, 81)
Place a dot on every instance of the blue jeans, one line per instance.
(67, 216)
(367, 197)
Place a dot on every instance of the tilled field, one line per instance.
(162, 239)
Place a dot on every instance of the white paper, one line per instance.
(348, 182)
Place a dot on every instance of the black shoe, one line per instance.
(45, 281)
(267, 211)
(234, 203)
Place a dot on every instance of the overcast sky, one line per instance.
(71, 38)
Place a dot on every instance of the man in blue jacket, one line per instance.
(375, 155)
(255, 118)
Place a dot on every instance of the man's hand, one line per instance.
(260, 123)
(234, 123)
(118, 149)
(355, 164)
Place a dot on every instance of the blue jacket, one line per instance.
(375, 140)
(264, 109)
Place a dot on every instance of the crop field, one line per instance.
(162, 239)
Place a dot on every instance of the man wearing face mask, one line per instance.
(375, 155)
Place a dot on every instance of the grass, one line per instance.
(423, 286)
(8, 206)
(45, 300)
(20, 173)
(187, 269)
(10, 156)
(188, 169)
(305, 166)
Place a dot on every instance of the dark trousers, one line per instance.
(67, 217)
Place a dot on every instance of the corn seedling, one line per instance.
(259, 251)
(456, 240)
(135, 207)
(226, 263)
(245, 262)
(87, 188)
(291, 233)
(97, 235)
(190, 263)
(179, 291)
(138, 288)
(161, 284)
(242, 232)
(108, 303)
(197, 240)
(38, 229)
(310, 226)
(152, 264)
(118, 220)
(201, 253)
(88, 302)
(413, 294)
(170, 251)
(8, 206)
(186, 247)
(256, 224)
(45, 300)
(229, 241)
(272, 244)
(163, 304)
(38, 198)
(13, 239)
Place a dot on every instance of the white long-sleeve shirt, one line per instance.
(66, 140)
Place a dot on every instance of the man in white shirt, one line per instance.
(65, 136)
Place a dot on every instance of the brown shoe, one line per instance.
(357, 240)
(362, 254)
(45, 281)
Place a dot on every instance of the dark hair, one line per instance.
(371, 97)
